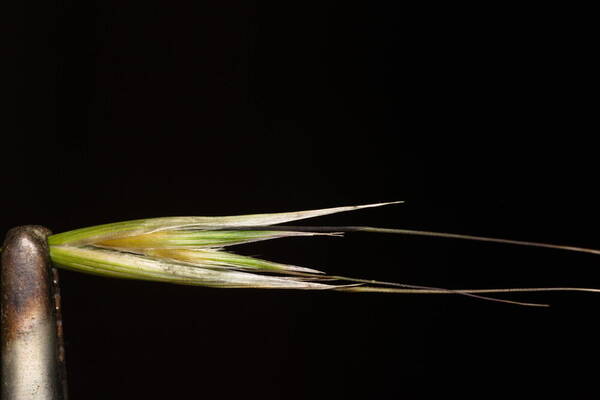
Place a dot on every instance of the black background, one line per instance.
(476, 116)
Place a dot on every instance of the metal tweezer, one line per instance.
(33, 360)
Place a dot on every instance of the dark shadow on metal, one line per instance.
(33, 363)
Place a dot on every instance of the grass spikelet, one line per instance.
(190, 251)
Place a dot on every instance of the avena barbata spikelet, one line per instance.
(191, 251)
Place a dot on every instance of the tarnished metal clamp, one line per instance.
(33, 363)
